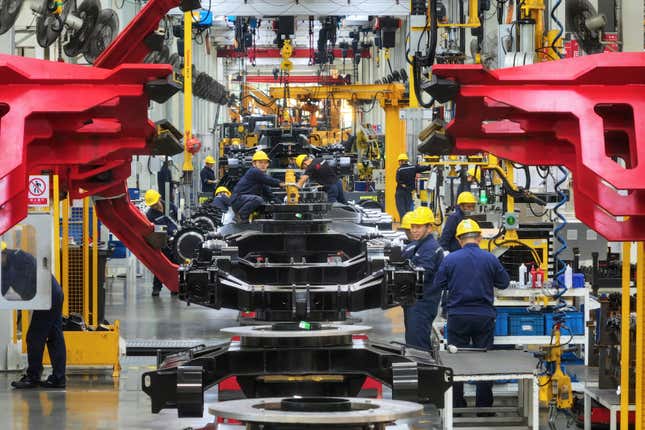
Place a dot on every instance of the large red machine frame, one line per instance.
(583, 113)
(86, 123)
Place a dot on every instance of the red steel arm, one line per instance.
(581, 113)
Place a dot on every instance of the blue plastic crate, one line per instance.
(574, 320)
(526, 325)
(501, 324)
(134, 193)
(578, 280)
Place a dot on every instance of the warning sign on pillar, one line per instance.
(38, 193)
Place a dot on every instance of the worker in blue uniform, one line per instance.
(467, 278)
(156, 215)
(319, 170)
(406, 176)
(46, 327)
(222, 199)
(467, 182)
(207, 175)
(254, 188)
(466, 202)
(407, 246)
(427, 254)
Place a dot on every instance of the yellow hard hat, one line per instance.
(422, 215)
(466, 197)
(403, 157)
(209, 160)
(405, 220)
(260, 155)
(152, 197)
(467, 226)
(301, 159)
(223, 190)
(4, 245)
(471, 172)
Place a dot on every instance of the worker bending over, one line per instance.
(46, 327)
(406, 176)
(222, 199)
(207, 175)
(426, 253)
(465, 206)
(254, 188)
(319, 170)
(467, 278)
(156, 214)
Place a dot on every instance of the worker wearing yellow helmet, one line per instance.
(321, 171)
(254, 188)
(222, 199)
(468, 178)
(406, 176)
(405, 224)
(156, 214)
(467, 278)
(207, 176)
(466, 203)
(425, 253)
(46, 327)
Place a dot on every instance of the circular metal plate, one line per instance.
(268, 410)
(265, 331)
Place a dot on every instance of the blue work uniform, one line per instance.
(159, 218)
(405, 183)
(207, 174)
(427, 254)
(321, 172)
(467, 277)
(447, 240)
(46, 326)
(164, 176)
(221, 202)
(252, 191)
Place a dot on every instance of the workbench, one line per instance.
(607, 398)
(494, 366)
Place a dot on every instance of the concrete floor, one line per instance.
(97, 401)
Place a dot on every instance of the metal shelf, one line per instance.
(534, 340)
(531, 292)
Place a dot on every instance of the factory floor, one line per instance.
(94, 400)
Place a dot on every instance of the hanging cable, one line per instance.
(560, 29)
(560, 266)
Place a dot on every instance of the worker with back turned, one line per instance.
(254, 188)
(207, 175)
(46, 327)
(320, 171)
(467, 278)
(156, 214)
(425, 253)
(406, 176)
(465, 206)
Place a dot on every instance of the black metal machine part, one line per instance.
(340, 369)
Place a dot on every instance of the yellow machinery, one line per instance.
(293, 193)
(555, 385)
(390, 98)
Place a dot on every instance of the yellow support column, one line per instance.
(56, 216)
(86, 260)
(65, 258)
(395, 143)
(188, 91)
(95, 269)
(624, 337)
(640, 338)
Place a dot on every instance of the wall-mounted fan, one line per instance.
(586, 23)
(9, 10)
(105, 31)
(50, 20)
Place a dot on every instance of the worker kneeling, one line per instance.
(222, 199)
(254, 188)
(467, 278)
(426, 253)
(319, 170)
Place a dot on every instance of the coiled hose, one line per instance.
(560, 29)
(559, 263)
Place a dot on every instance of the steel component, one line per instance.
(269, 331)
(272, 411)
(190, 393)
(594, 114)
